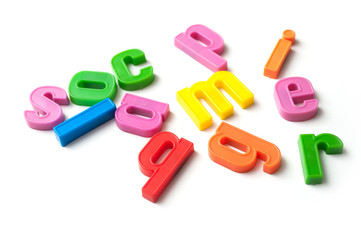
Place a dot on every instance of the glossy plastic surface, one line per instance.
(126, 80)
(294, 98)
(85, 121)
(279, 54)
(209, 91)
(88, 88)
(253, 148)
(160, 174)
(48, 113)
(141, 116)
(309, 146)
(207, 53)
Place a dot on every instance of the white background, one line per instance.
(91, 189)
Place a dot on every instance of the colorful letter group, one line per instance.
(294, 97)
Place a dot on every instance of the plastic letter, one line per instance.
(153, 112)
(253, 147)
(47, 112)
(85, 121)
(209, 91)
(88, 88)
(162, 173)
(308, 145)
(208, 55)
(126, 80)
(295, 90)
(279, 54)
